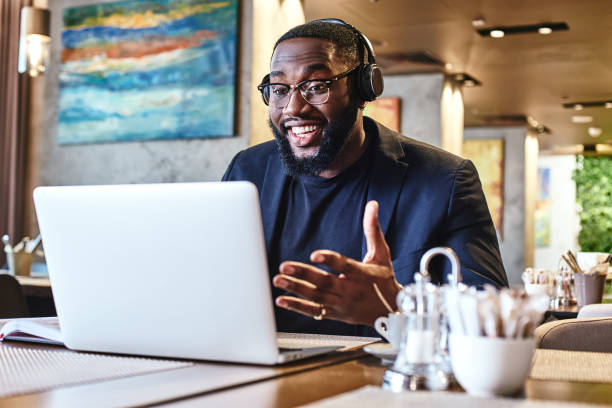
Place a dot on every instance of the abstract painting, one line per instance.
(542, 210)
(488, 157)
(385, 111)
(147, 69)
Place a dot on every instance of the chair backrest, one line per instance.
(12, 301)
(591, 334)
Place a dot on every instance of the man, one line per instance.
(337, 187)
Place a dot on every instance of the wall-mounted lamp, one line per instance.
(34, 41)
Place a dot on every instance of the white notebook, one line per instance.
(35, 330)
(47, 330)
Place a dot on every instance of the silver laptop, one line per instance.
(172, 270)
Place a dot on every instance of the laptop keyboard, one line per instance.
(297, 341)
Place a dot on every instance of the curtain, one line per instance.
(14, 101)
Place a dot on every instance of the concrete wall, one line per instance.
(128, 162)
(420, 104)
(564, 219)
(513, 240)
(532, 151)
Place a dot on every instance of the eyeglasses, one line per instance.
(314, 91)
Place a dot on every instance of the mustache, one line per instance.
(284, 127)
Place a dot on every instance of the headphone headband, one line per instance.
(364, 40)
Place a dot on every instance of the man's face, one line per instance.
(310, 137)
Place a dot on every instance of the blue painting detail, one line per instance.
(145, 70)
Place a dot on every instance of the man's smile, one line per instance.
(302, 136)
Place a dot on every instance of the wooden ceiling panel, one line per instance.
(527, 74)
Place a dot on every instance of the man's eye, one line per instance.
(315, 87)
(279, 90)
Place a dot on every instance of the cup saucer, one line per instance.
(384, 351)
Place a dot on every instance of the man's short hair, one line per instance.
(348, 44)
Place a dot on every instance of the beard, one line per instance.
(335, 135)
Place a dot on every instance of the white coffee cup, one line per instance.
(390, 327)
(486, 366)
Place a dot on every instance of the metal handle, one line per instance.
(455, 277)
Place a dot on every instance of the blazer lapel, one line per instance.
(387, 177)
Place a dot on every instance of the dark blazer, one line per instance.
(427, 197)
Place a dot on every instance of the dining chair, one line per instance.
(12, 301)
(580, 334)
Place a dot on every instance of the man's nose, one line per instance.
(296, 103)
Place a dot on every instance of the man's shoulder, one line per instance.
(251, 164)
(416, 153)
(259, 151)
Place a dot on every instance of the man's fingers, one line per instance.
(305, 289)
(348, 268)
(323, 280)
(305, 307)
(378, 250)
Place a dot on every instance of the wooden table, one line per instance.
(285, 386)
(563, 312)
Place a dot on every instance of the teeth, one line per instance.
(303, 129)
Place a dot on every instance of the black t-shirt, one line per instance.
(320, 213)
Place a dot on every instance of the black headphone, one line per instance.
(370, 83)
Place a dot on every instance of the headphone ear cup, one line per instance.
(266, 92)
(371, 83)
(265, 95)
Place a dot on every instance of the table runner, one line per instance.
(28, 370)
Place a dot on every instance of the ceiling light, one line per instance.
(448, 66)
(541, 28)
(594, 131)
(496, 33)
(466, 80)
(478, 22)
(582, 119)
(544, 30)
(579, 105)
